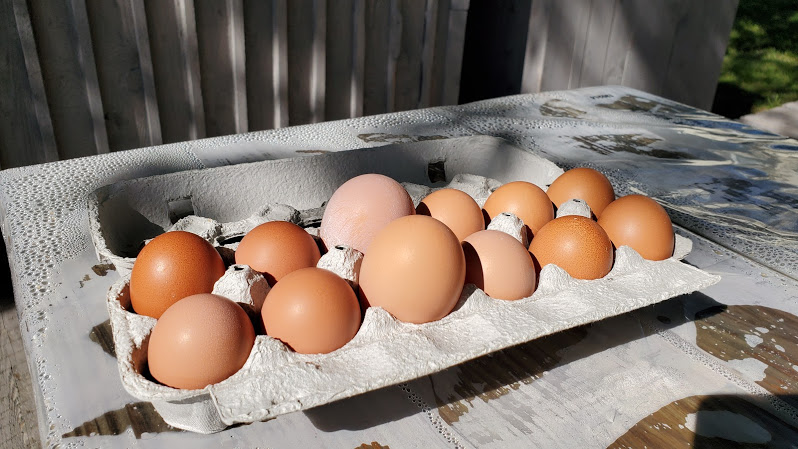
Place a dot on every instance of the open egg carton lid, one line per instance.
(385, 351)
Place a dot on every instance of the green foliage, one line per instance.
(762, 57)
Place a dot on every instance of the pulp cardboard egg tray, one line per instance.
(222, 204)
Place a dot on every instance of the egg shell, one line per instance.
(277, 248)
(585, 184)
(170, 267)
(414, 269)
(499, 264)
(201, 340)
(576, 244)
(641, 223)
(312, 310)
(523, 199)
(454, 208)
(360, 208)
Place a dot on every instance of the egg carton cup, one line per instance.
(275, 380)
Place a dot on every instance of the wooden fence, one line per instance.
(83, 77)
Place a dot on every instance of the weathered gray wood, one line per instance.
(597, 43)
(280, 68)
(261, 39)
(652, 41)
(26, 132)
(377, 75)
(620, 43)
(220, 35)
(537, 37)
(307, 35)
(122, 52)
(429, 40)
(409, 64)
(175, 61)
(702, 35)
(66, 56)
(344, 19)
(448, 52)
(581, 15)
(559, 47)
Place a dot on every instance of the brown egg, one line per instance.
(525, 200)
(576, 244)
(414, 269)
(360, 208)
(454, 208)
(641, 223)
(170, 267)
(277, 248)
(312, 310)
(499, 265)
(201, 340)
(584, 184)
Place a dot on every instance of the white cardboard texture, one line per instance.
(385, 351)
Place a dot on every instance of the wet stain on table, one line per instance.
(713, 422)
(758, 341)
(141, 417)
(491, 377)
(103, 336)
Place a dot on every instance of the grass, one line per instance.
(760, 69)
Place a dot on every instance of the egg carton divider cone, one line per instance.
(385, 351)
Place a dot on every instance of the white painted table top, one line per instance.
(679, 370)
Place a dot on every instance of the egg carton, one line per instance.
(275, 380)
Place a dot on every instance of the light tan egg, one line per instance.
(499, 265)
(414, 269)
(641, 223)
(200, 340)
(454, 208)
(576, 244)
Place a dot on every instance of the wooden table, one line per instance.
(717, 368)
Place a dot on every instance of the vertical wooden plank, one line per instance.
(307, 27)
(26, 132)
(341, 54)
(654, 30)
(122, 54)
(559, 47)
(259, 48)
(70, 78)
(438, 72)
(455, 46)
(537, 36)
(376, 87)
(359, 58)
(596, 43)
(220, 36)
(280, 66)
(580, 13)
(175, 60)
(429, 39)
(620, 43)
(702, 34)
(409, 64)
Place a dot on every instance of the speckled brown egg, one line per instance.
(585, 184)
(200, 340)
(523, 199)
(641, 223)
(277, 248)
(312, 310)
(454, 208)
(576, 244)
(499, 264)
(170, 267)
(414, 269)
(360, 208)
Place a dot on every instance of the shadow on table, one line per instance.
(713, 422)
(6, 289)
(495, 375)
